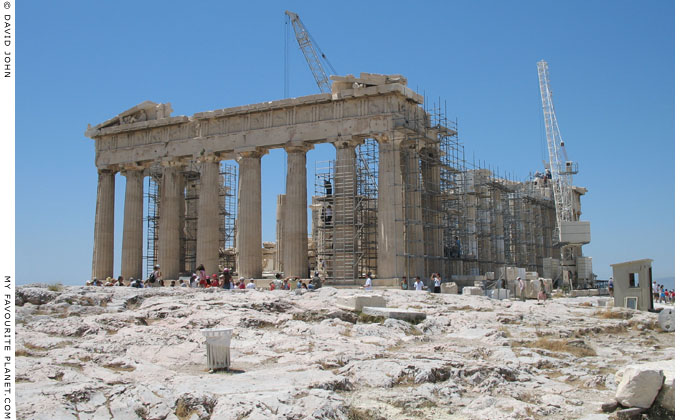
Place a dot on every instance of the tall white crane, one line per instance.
(316, 59)
(569, 230)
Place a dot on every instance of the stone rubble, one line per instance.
(124, 353)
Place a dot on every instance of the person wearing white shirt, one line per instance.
(251, 285)
(367, 283)
(418, 285)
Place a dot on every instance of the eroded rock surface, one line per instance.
(122, 353)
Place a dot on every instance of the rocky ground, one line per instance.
(123, 353)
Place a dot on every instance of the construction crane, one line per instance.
(316, 59)
(570, 232)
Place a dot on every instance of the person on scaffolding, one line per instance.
(329, 188)
(329, 215)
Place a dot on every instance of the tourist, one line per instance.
(271, 286)
(299, 284)
(329, 214)
(227, 275)
(611, 287)
(437, 284)
(655, 291)
(192, 281)
(251, 285)
(673, 296)
(418, 285)
(310, 286)
(135, 283)
(202, 271)
(367, 283)
(202, 282)
(403, 283)
(242, 285)
(542, 291)
(172, 283)
(521, 288)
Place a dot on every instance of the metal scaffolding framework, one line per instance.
(227, 191)
(458, 217)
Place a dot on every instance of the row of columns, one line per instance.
(293, 249)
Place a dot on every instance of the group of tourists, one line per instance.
(419, 285)
(662, 294)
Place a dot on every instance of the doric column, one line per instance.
(295, 227)
(414, 225)
(390, 242)
(433, 231)
(171, 220)
(249, 215)
(102, 265)
(280, 236)
(208, 210)
(344, 212)
(133, 227)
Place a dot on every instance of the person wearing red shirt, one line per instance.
(202, 282)
(242, 285)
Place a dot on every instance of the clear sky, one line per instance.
(612, 74)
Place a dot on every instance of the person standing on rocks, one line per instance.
(418, 285)
(542, 291)
(521, 288)
(367, 283)
(437, 283)
(202, 271)
(403, 283)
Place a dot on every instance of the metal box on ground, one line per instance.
(217, 347)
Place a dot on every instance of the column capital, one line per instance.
(108, 169)
(394, 137)
(250, 152)
(131, 168)
(172, 163)
(211, 157)
(297, 147)
(347, 141)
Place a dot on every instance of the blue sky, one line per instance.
(612, 73)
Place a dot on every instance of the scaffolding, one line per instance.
(152, 217)
(458, 217)
(346, 201)
(227, 211)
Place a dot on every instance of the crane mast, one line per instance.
(316, 59)
(562, 169)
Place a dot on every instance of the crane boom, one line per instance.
(561, 168)
(312, 53)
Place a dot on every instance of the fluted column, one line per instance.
(249, 215)
(391, 244)
(280, 236)
(295, 227)
(344, 213)
(208, 223)
(133, 225)
(414, 233)
(433, 231)
(171, 220)
(102, 265)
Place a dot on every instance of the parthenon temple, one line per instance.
(400, 198)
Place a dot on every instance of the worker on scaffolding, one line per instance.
(329, 215)
(328, 187)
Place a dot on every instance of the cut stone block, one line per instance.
(667, 319)
(639, 386)
(449, 288)
(395, 313)
(500, 294)
(629, 414)
(474, 291)
(358, 302)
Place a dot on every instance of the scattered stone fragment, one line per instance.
(639, 386)
(609, 407)
(395, 313)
